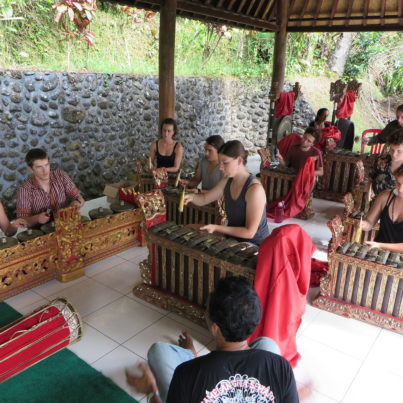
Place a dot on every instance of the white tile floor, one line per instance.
(347, 360)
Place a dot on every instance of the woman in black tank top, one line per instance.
(167, 152)
(388, 207)
(245, 198)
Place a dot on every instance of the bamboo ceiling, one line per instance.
(303, 15)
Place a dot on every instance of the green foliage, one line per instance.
(127, 42)
(381, 55)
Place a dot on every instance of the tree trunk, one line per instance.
(340, 55)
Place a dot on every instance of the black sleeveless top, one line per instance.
(389, 232)
(165, 161)
(236, 212)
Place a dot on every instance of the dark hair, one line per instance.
(35, 154)
(320, 111)
(235, 308)
(399, 108)
(315, 133)
(396, 138)
(234, 149)
(398, 171)
(169, 121)
(215, 141)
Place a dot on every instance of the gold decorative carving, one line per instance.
(265, 157)
(355, 86)
(152, 204)
(139, 168)
(348, 201)
(336, 228)
(69, 241)
(222, 215)
(325, 285)
(172, 303)
(145, 271)
(160, 176)
(274, 92)
(337, 91)
(297, 90)
(36, 261)
(360, 313)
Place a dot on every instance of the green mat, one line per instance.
(63, 377)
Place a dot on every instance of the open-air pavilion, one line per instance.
(347, 360)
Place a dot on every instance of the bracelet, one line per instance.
(151, 395)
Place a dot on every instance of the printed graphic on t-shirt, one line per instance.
(238, 389)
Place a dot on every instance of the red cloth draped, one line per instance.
(328, 132)
(297, 197)
(282, 281)
(285, 143)
(345, 108)
(284, 105)
(318, 270)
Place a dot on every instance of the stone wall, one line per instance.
(94, 126)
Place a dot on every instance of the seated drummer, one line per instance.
(245, 198)
(208, 171)
(382, 176)
(167, 151)
(388, 207)
(45, 191)
(320, 121)
(8, 228)
(297, 154)
(384, 135)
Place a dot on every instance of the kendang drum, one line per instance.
(35, 337)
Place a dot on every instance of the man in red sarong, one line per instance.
(297, 154)
(282, 282)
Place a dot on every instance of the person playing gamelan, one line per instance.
(234, 371)
(297, 154)
(244, 196)
(388, 208)
(167, 151)
(208, 171)
(45, 191)
(6, 226)
(384, 135)
(382, 175)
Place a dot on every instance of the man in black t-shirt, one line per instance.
(235, 371)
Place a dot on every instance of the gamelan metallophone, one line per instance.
(64, 253)
(211, 214)
(339, 168)
(277, 182)
(365, 284)
(146, 182)
(185, 264)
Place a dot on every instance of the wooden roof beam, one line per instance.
(267, 9)
(259, 6)
(241, 5)
(317, 11)
(349, 28)
(225, 15)
(303, 11)
(350, 7)
(333, 12)
(365, 12)
(251, 4)
(383, 12)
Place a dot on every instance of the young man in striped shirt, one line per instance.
(45, 191)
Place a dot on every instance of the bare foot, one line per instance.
(185, 341)
(305, 391)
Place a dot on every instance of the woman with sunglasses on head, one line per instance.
(388, 208)
(245, 198)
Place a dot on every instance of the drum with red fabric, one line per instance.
(35, 337)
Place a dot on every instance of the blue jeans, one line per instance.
(163, 358)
